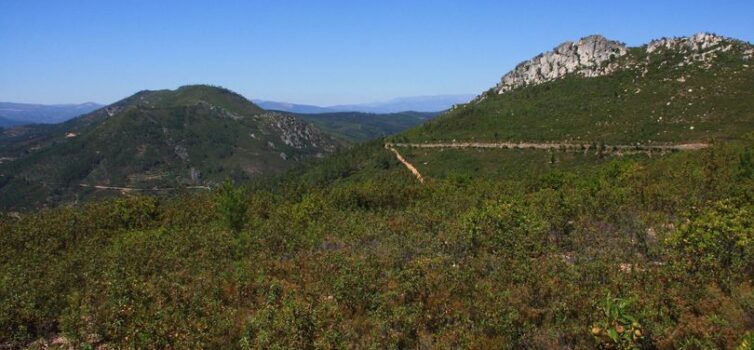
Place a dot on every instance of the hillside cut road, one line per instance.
(558, 146)
(571, 147)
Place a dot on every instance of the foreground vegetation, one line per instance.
(630, 252)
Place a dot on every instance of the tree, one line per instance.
(232, 206)
(745, 164)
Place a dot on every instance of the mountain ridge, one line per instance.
(595, 55)
(684, 89)
(26, 113)
(426, 103)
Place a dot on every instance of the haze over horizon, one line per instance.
(101, 52)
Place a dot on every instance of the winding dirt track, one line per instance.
(568, 147)
(408, 165)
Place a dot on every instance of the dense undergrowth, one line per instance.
(634, 252)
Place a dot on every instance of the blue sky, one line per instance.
(319, 52)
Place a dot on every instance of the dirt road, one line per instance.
(568, 147)
(557, 146)
(408, 165)
(130, 189)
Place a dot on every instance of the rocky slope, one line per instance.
(687, 89)
(586, 57)
(595, 56)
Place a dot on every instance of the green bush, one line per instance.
(283, 323)
(505, 229)
(617, 328)
(232, 206)
(718, 238)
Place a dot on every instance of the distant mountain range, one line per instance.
(435, 103)
(15, 114)
(12, 114)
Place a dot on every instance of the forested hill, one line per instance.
(154, 140)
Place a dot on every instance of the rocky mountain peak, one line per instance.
(698, 42)
(586, 57)
(701, 48)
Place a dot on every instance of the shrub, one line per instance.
(283, 323)
(617, 328)
(232, 206)
(745, 164)
(504, 228)
(719, 238)
(747, 343)
(135, 212)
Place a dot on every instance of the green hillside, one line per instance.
(195, 135)
(656, 97)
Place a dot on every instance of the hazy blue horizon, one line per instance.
(316, 52)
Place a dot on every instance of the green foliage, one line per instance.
(135, 212)
(720, 237)
(747, 343)
(232, 205)
(373, 259)
(746, 164)
(617, 328)
(504, 228)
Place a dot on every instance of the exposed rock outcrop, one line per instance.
(113, 110)
(700, 47)
(591, 56)
(297, 133)
(595, 56)
(699, 42)
(748, 54)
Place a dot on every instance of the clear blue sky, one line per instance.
(320, 52)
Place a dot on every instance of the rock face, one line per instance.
(698, 42)
(591, 56)
(700, 47)
(595, 56)
(297, 133)
(748, 54)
